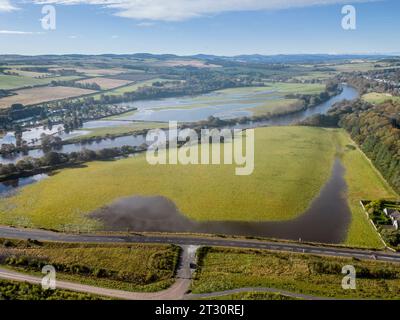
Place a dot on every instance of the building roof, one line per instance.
(390, 210)
(395, 215)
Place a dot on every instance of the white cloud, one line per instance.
(5, 5)
(145, 24)
(15, 32)
(176, 10)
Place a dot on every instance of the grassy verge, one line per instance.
(277, 106)
(133, 267)
(253, 296)
(363, 182)
(124, 128)
(11, 290)
(224, 269)
(378, 98)
(8, 82)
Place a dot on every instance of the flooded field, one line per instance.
(225, 104)
(9, 187)
(150, 107)
(327, 220)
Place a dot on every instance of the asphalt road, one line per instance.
(43, 235)
(189, 245)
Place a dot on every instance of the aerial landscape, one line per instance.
(155, 166)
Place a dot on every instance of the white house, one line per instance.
(394, 215)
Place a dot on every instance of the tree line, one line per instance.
(54, 160)
(375, 128)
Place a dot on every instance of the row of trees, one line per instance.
(10, 290)
(376, 130)
(52, 160)
(312, 100)
(75, 84)
(382, 81)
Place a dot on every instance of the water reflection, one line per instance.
(9, 187)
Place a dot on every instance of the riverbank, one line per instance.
(120, 139)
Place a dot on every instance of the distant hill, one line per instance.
(252, 58)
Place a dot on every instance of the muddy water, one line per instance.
(326, 220)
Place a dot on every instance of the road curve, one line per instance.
(176, 291)
(44, 235)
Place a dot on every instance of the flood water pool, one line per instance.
(8, 188)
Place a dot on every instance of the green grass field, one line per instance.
(287, 160)
(280, 87)
(253, 296)
(364, 182)
(316, 75)
(12, 82)
(273, 102)
(132, 267)
(224, 269)
(361, 66)
(124, 128)
(129, 88)
(378, 98)
(11, 290)
(277, 106)
(290, 163)
(300, 88)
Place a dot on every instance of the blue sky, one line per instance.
(223, 27)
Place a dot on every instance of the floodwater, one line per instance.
(327, 220)
(348, 93)
(68, 148)
(189, 109)
(9, 187)
(224, 107)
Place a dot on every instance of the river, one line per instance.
(348, 93)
